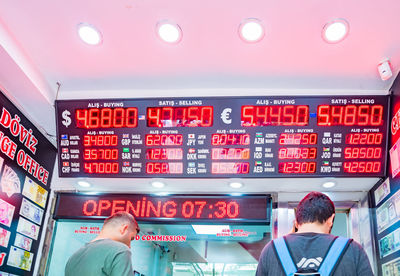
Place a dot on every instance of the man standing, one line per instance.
(109, 253)
(309, 245)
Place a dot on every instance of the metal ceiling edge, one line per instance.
(52, 139)
(206, 92)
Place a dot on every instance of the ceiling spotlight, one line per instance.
(236, 185)
(89, 34)
(251, 30)
(169, 32)
(329, 184)
(335, 31)
(157, 184)
(84, 184)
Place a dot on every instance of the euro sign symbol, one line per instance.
(67, 120)
(225, 116)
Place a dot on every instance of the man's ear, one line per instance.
(330, 220)
(123, 228)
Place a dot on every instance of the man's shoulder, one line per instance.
(268, 251)
(355, 247)
(108, 244)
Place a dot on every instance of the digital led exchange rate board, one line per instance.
(223, 137)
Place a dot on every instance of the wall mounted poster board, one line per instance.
(386, 198)
(26, 165)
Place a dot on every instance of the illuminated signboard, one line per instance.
(223, 137)
(27, 160)
(185, 208)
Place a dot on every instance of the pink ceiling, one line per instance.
(292, 54)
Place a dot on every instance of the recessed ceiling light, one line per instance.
(157, 184)
(335, 31)
(236, 185)
(251, 30)
(329, 184)
(89, 34)
(210, 229)
(169, 32)
(84, 184)
(162, 194)
(91, 193)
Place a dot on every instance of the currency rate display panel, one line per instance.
(223, 137)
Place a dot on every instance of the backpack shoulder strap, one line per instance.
(333, 256)
(284, 256)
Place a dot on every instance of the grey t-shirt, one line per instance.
(308, 251)
(100, 258)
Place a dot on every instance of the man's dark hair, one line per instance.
(122, 217)
(314, 207)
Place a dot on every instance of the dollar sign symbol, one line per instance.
(67, 120)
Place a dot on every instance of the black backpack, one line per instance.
(328, 265)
